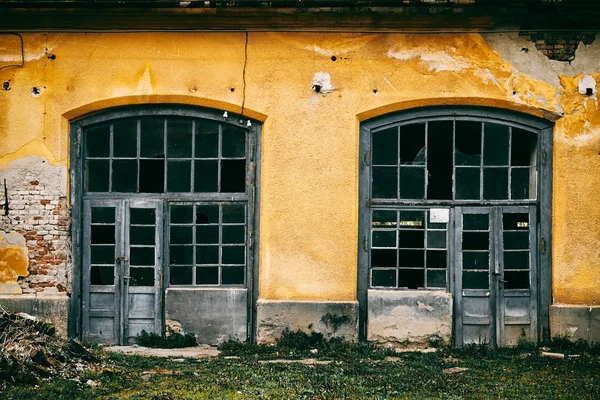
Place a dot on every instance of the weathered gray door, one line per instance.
(495, 275)
(122, 269)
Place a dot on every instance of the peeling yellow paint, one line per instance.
(13, 262)
(309, 165)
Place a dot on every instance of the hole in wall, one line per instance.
(333, 58)
(6, 85)
(375, 91)
(232, 90)
(35, 91)
(317, 88)
(51, 57)
(514, 93)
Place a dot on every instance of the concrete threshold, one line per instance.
(185, 352)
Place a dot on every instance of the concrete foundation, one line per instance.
(51, 309)
(576, 322)
(409, 317)
(213, 315)
(336, 318)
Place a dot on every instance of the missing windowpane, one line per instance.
(384, 147)
(102, 254)
(384, 183)
(207, 139)
(411, 239)
(495, 150)
(206, 214)
(436, 259)
(467, 183)
(411, 278)
(97, 141)
(102, 275)
(206, 177)
(152, 139)
(207, 275)
(97, 175)
(516, 280)
(232, 275)
(383, 277)
(103, 234)
(383, 258)
(523, 148)
(141, 256)
(125, 138)
(412, 144)
(142, 235)
(233, 176)
(124, 176)
(439, 160)
(414, 219)
(141, 276)
(520, 183)
(233, 142)
(179, 176)
(411, 258)
(495, 183)
(412, 183)
(475, 241)
(180, 275)
(468, 143)
(475, 280)
(179, 138)
(152, 176)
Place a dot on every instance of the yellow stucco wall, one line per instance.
(309, 182)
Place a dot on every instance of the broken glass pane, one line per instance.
(383, 258)
(412, 144)
(233, 255)
(181, 214)
(411, 258)
(516, 240)
(516, 280)
(385, 147)
(207, 214)
(439, 160)
(141, 256)
(102, 254)
(412, 183)
(97, 141)
(125, 138)
(142, 234)
(124, 176)
(519, 183)
(476, 260)
(207, 234)
(233, 142)
(385, 182)
(152, 176)
(97, 175)
(179, 137)
(103, 234)
(495, 183)
(468, 143)
(475, 241)
(181, 255)
(233, 234)
(180, 275)
(467, 183)
(413, 219)
(232, 275)
(436, 239)
(141, 276)
(495, 149)
(207, 275)
(144, 216)
(152, 138)
(207, 139)
(411, 239)
(475, 280)
(181, 235)
(436, 278)
(102, 275)
(523, 148)
(383, 277)
(384, 218)
(411, 278)
(476, 222)
(515, 221)
(384, 239)
(436, 258)
(233, 176)
(179, 174)
(206, 176)
(207, 255)
(103, 215)
(516, 260)
(234, 214)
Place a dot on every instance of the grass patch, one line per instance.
(173, 340)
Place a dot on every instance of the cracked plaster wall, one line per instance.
(309, 184)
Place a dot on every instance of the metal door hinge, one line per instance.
(543, 157)
(366, 244)
(367, 157)
(543, 245)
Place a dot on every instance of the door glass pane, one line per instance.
(411, 258)
(233, 176)
(124, 176)
(439, 160)
(467, 183)
(141, 276)
(180, 275)
(516, 260)
(383, 277)
(181, 255)
(206, 176)
(102, 254)
(475, 280)
(142, 235)
(411, 239)
(436, 239)
(412, 144)
(516, 240)
(152, 139)
(102, 275)
(234, 214)
(234, 142)
(233, 255)
(179, 137)
(384, 147)
(476, 260)
(411, 278)
(384, 183)
(103, 215)
(233, 234)
(436, 278)
(182, 214)
(152, 176)
(495, 183)
(383, 258)
(436, 258)
(412, 183)
(475, 241)
(207, 275)
(97, 175)
(384, 239)
(207, 255)
(468, 143)
(141, 256)
(181, 235)
(103, 234)
(384, 218)
(207, 139)
(516, 279)
(476, 222)
(232, 276)
(522, 183)
(179, 176)
(142, 216)
(496, 139)
(125, 138)
(97, 141)
(523, 148)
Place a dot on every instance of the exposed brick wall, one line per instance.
(559, 46)
(41, 214)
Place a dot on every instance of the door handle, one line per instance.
(121, 259)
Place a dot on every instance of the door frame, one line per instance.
(76, 178)
(544, 195)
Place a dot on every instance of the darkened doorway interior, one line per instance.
(163, 198)
(458, 199)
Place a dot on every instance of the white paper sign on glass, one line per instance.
(439, 215)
